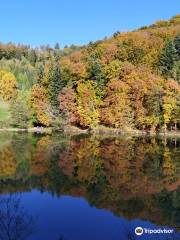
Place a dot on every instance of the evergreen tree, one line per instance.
(176, 71)
(177, 45)
(40, 73)
(95, 71)
(32, 57)
(167, 59)
(20, 111)
(55, 83)
(57, 46)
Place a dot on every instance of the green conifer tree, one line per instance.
(168, 59)
(55, 83)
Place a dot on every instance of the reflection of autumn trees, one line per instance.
(127, 175)
(121, 173)
(168, 167)
(40, 159)
(117, 156)
(135, 166)
(8, 162)
(81, 159)
(125, 170)
(130, 166)
(67, 158)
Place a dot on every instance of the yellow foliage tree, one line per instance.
(171, 103)
(87, 104)
(39, 103)
(8, 85)
(116, 110)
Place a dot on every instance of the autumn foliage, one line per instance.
(128, 81)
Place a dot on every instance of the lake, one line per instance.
(56, 187)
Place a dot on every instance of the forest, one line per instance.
(128, 81)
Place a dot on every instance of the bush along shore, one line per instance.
(127, 83)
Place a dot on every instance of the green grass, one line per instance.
(4, 114)
(4, 111)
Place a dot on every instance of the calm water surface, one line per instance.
(55, 187)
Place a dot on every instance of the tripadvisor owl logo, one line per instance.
(139, 231)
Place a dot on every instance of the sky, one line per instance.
(41, 22)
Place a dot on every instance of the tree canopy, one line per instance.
(128, 81)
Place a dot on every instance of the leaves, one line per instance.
(87, 104)
(8, 85)
(39, 103)
(129, 80)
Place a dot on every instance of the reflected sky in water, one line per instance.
(73, 218)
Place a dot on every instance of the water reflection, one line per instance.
(85, 223)
(15, 222)
(137, 178)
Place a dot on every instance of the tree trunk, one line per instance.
(165, 129)
(175, 126)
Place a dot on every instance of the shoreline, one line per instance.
(95, 131)
(32, 130)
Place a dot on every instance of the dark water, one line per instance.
(88, 188)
